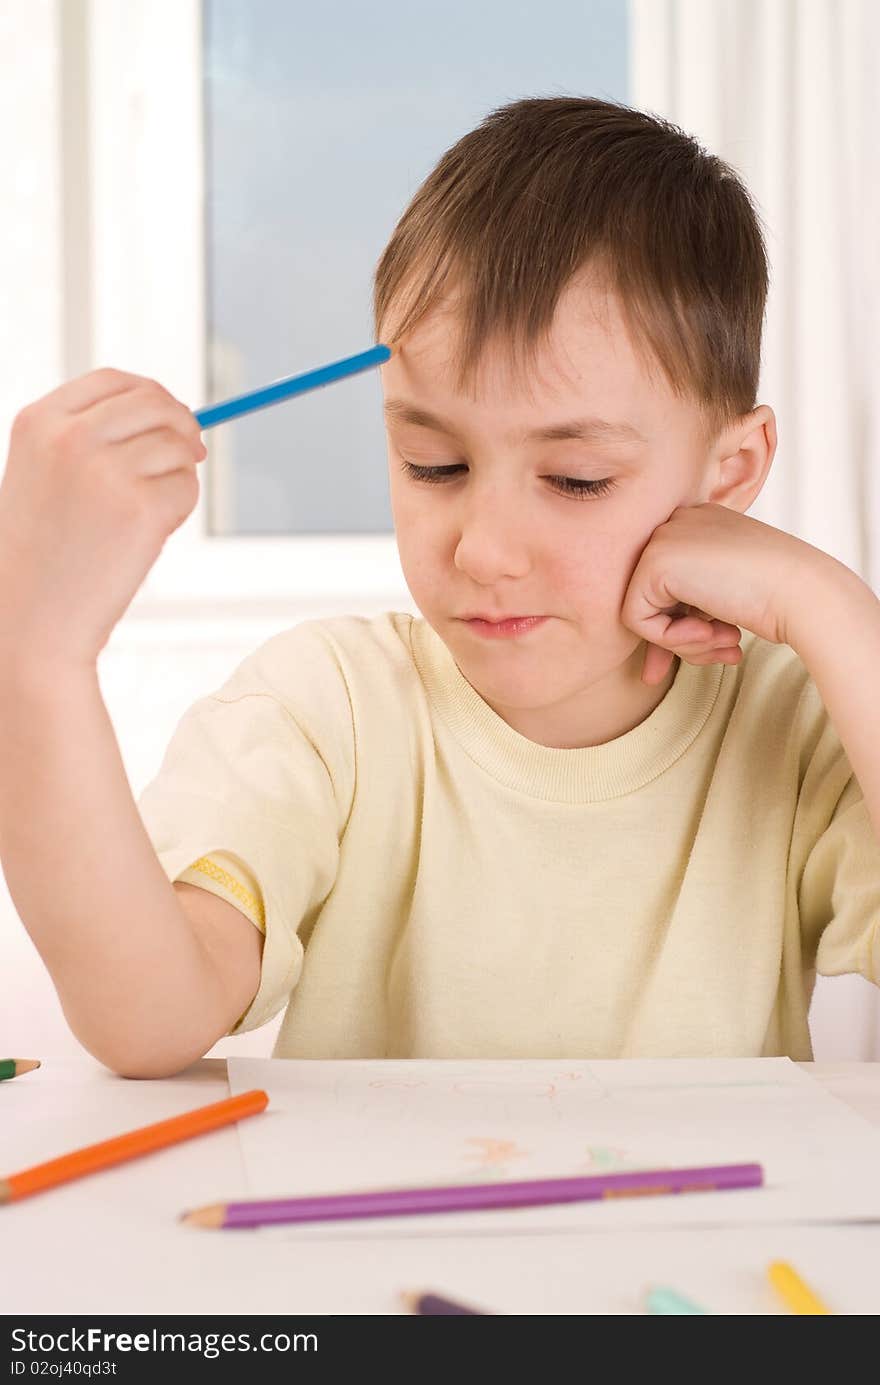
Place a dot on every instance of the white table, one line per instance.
(112, 1242)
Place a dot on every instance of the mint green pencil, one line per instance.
(668, 1301)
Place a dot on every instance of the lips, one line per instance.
(499, 620)
(512, 627)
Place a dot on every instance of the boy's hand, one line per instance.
(100, 472)
(703, 573)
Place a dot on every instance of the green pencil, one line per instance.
(662, 1300)
(14, 1067)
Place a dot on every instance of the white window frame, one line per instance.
(146, 268)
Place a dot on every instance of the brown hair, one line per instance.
(545, 188)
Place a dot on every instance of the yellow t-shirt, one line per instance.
(431, 883)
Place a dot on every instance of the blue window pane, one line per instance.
(320, 123)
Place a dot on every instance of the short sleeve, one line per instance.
(228, 877)
(839, 891)
(256, 785)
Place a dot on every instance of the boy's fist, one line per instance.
(100, 472)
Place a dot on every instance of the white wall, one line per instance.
(30, 246)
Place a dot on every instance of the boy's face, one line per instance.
(499, 537)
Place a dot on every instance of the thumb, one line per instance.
(656, 664)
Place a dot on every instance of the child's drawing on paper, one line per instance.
(603, 1158)
(492, 1158)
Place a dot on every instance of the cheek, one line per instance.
(417, 544)
(596, 570)
(411, 524)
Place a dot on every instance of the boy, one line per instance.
(565, 814)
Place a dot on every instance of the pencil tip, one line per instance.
(212, 1217)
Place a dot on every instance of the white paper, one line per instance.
(70, 1103)
(347, 1125)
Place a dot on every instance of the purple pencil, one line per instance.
(464, 1197)
(433, 1304)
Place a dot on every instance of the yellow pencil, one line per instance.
(789, 1285)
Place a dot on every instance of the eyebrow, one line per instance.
(581, 429)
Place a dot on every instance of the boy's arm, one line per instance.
(148, 978)
(834, 627)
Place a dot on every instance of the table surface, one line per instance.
(113, 1243)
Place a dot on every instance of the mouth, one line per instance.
(496, 620)
(503, 628)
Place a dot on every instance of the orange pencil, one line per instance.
(131, 1145)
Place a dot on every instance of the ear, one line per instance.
(741, 460)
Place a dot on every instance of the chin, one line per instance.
(514, 691)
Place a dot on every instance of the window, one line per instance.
(320, 123)
(249, 163)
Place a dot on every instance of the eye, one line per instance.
(428, 473)
(568, 485)
(573, 485)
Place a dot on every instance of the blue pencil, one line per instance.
(291, 385)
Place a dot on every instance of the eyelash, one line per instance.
(575, 487)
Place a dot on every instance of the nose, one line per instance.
(493, 537)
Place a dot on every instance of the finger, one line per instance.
(157, 453)
(141, 411)
(656, 664)
(658, 661)
(722, 632)
(692, 632)
(177, 495)
(719, 656)
(86, 390)
(682, 633)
